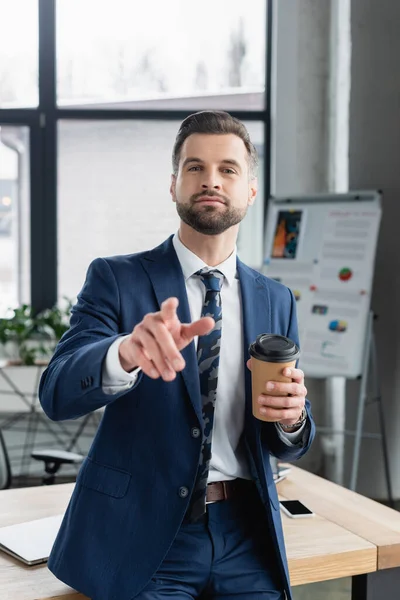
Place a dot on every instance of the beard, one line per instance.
(209, 220)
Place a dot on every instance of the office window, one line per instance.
(18, 53)
(161, 54)
(14, 217)
(113, 194)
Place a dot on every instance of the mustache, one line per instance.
(211, 194)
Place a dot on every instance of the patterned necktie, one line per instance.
(208, 360)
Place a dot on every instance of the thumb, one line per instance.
(200, 327)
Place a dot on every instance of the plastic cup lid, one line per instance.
(274, 348)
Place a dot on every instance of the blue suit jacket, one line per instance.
(126, 507)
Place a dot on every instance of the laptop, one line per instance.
(30, 542)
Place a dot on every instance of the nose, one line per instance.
(211, 180)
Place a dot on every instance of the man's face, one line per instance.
(213, 188)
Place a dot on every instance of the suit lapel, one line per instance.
(164, 270)
(256, 312)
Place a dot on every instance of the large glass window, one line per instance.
(18, 53)
(113, 194)
(130, 53)
(14, 217)
(113, 176)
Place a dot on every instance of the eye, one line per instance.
(196, 168)
(229, 171)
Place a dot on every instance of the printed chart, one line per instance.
(323, 248)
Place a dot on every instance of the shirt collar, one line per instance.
(191, 263)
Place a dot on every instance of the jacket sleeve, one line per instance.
(269, 433)
(71, 386)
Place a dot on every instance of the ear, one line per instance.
(172, 188)
(253, 188)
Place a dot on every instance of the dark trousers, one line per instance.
(226, 555)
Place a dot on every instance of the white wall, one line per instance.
(300, 88)
(300, 141)
(375, 163)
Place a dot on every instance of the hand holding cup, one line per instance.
(277, 386)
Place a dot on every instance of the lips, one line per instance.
(212, 199)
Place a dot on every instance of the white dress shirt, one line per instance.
(228, 459)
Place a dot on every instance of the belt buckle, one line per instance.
(225, 494)
(209, 501)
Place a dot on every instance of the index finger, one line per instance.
(168, 308)
(296, 374)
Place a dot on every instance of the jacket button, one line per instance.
(183, 492)
(195, 432)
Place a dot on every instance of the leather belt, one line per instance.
(226, 490)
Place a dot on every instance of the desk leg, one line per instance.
(375, 586)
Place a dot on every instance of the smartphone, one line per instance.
(295, 509)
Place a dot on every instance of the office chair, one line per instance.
(54, 459)
(5, 468)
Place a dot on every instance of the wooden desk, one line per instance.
(366, 518)
(324, 547)
(370, 520)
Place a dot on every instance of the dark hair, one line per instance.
(214, 122)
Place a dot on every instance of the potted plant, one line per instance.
(29, 338)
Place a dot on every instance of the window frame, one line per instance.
(42, 122)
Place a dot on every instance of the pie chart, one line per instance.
(345, 274)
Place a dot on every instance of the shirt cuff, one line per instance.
(291, 439)
(114, 378)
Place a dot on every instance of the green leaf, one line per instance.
(24, 325)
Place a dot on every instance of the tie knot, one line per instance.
(211, 279)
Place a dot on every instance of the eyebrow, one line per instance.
(228, 161)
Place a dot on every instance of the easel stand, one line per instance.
(334, 443)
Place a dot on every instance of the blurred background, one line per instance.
(92, 93)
